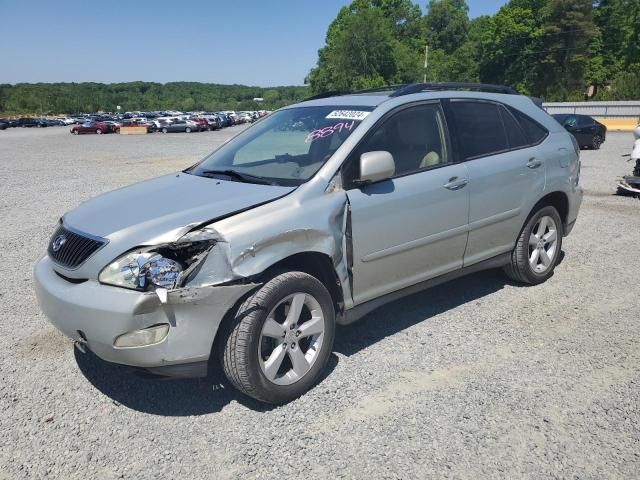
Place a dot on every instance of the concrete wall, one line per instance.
(615, 115)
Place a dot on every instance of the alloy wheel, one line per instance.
(291, 339)
(543, 243)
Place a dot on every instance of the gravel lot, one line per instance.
(479, 378)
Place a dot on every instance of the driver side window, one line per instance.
(415, 137)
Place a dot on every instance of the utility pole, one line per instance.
(426, 61)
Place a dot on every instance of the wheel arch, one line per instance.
(559, 200)
(316, 264)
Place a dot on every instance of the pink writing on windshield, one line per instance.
(328, 131)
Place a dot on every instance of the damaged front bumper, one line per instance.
(97, 315)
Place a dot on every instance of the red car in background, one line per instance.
(201, 123)
(91, 127)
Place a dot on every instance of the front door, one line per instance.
(413, 226)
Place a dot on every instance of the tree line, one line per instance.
(554, 49)
(66, 98)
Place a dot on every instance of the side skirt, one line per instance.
(356, 313)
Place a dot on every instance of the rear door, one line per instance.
(506, 174)
(413, 226)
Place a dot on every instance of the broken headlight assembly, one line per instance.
(165, 266)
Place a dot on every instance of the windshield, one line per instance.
(286, 148)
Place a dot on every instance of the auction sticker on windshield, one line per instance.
(348, 114)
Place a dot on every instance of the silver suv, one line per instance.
(315, 215)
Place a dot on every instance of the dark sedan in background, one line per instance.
(588, 132)
(31, 122)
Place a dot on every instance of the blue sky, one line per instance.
(252, 42)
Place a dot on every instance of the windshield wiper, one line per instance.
(243, 177)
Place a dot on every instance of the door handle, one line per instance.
(534, 163)
(455, 184)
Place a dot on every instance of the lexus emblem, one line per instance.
(58, 242)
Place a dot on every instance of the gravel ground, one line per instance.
(478, 378)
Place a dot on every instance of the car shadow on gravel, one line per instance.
(419, 307)
(181, 397)
(167, 396)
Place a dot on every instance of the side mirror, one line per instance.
(376, 166)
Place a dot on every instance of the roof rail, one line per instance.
(399, 90)
(481, 87)
(386, 88)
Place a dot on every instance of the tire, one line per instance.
(521, 267)
(117, 130)
(246, 347)
(188, 130)
(99, 132)
(76, 132)
(596, 142)
(164, 130)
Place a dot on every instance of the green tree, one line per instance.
(568, 30)
(447, 24)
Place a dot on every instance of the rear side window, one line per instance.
(479, 128)
(533, 130)
(584, 121)
(515, 134)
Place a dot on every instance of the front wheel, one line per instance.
(99, 132)
(538, 248)
(188, 130)
(280, 340)
(164, 130)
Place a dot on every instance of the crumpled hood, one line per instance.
(145, 211)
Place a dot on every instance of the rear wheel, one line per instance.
(99, 132)
(596, 141)
(188, 130)
(164, 130)
(76, 132)
(280, 339)
(538, 248)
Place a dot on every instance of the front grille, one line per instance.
(70, 249)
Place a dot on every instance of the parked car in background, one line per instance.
(53, 122)
(225, 120)
(4, 125)
(91, 127)
(178, 126)
(213, 122)
(588, 132)
(199, 123)
(28, 122)
(115, 125)
(66, 120)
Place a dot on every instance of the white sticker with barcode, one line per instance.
(348, 114)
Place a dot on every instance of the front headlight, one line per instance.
(165, 266)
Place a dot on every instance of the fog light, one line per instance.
(140, 338)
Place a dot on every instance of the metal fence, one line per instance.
(596, 109)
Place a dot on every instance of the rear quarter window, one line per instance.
(535, 132)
